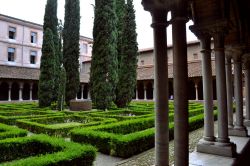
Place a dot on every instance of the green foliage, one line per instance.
(11, 132)
(128, 59)
(71, 47)
(51, 22)
(47, 70)
(41, 150)
(103, 72)
(61, 89)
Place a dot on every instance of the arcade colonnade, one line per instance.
(224, 58)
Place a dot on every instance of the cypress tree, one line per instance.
(61, 89)
(128, 62)
(71, 47)
(47, 67)
(51, 22)
(103, 72)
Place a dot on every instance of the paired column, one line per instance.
(82, 89)
(9, 92)
(196, 91)
(20, 91)
(229, 91)
(180, 84)
(31, 88)
(239, 128)
(136, 93)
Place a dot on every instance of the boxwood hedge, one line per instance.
(42, 150)
(11, 132)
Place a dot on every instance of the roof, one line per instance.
(194, 70)
(25, 73)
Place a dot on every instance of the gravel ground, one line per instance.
(147, 158)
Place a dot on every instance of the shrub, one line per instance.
(11, 132)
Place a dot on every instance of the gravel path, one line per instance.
(147, 158)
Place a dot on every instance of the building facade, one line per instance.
(20, 55)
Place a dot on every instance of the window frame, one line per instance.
(32, 37)
(14, 35)
(11, 55)
(33, 55)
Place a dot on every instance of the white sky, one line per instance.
(33, 10)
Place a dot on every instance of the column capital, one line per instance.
(156, 5)
(21, 85)
(202, 33)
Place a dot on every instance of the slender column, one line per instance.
(82, 89)
(238, 96)
(136, 93)
(9, 92)
(229, 91)
(20, 91)
(89, 97)
(76, 97)
(196, 91)
(145, 91)
(31, 89)
(221, 88)
(207, 81)
(180, 86)
(161, 88)
(247, 83)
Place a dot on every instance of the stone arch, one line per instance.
(4, 88)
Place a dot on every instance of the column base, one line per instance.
(247, 123)
(238, 131)
(221, 149)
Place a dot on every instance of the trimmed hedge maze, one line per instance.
(117, 132)
(41, 150)
(11, 132)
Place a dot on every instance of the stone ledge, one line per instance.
(237, 132)
(80, 105)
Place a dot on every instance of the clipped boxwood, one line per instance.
(60, 125)
(42, 150)
(11, 132)
(109, 139)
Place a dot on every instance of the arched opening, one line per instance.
(35, 91)
(170, 90)
(140, 91)
(26, 91)
(4, 88)
(191, 90)
(149, 87)
(15, 91)
(200, 90)
(85, 91)
(79, 93)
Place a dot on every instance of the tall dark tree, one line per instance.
(128, 61)
(47, 67)
(51, 22)
(103, 73)
(71, 47)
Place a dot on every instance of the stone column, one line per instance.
(239, 128)
(89, 97)
(82, 89)
(21, 91)
(180, 72)
(207, 80)
(227, 148)
(136, 93)
(196, 91)
(9, 92)
(31, 88)
(145, 91)
(247, 101)
(229, 91)
(159, 12)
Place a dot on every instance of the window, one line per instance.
(195, 56)
(33, 37)
(11, 54)
(12, 32)
(85, 48)
(33, 55)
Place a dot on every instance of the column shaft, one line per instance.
(207, 81)
(196, 92)
(180, 91)
(238, 93)
(145, 92)
(31, 88)
(221, 88)
(21, 92)
(136, 93)
(82, 89)
(229, 92)
(9, 92)
(247, 79)
(161, 89)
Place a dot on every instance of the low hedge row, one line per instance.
(60, 125)
(11, 132)
(109, 139)
(42, 150)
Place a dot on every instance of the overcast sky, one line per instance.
(33, 10)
